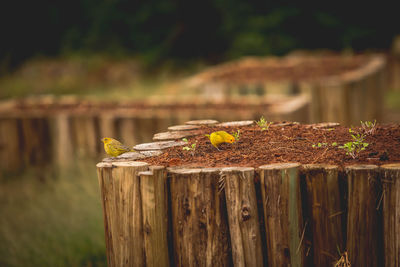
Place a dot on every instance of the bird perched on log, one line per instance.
(114, 147)
(219, 137)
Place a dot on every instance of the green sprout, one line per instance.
(368, 127)
(263, 124)
(191, 148)
(355, 147)
(323, 145)
(236, 135)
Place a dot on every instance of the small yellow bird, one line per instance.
(114, 148)
(220, 137)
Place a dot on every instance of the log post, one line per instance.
(63, 150)
(391, 214)
(199, 226)
(243, 219)
(326, 213)
(10, 146)
(121, 201)
(154, 193)
(280, 188)
(362, 219)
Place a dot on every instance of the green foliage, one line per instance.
(163, 30)
(263, 124)
(52, 219)
(236, 135)
(356, 146)
(191, 147)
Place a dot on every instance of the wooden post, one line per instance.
(391, 214)
(154, 194)
(86, 136)
(63, 151)
(326, 213)
(200, 230)
(362, 219)
(280, 188)
(10, 147)
(121, 201)
(241, 204)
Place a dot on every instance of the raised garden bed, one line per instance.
(48, 130)
(342, 88)
(274, 197)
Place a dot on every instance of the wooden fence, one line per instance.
(49, 131)
(284, 214)
(156, 216)
(350, 90)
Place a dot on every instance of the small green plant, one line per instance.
(191, 148)
(236, 135)
(319, 145)
(355, 147)
(368, 127)
(263, 124)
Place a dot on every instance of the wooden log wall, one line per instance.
(37, 137)
(211, 217)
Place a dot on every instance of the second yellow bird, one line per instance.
(114, 147)
(219, 137)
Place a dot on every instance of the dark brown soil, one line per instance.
(293, 143)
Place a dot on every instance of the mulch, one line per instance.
(287, 143)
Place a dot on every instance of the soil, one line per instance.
(280, 144)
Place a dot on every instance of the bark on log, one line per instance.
(121, 201)
(154, 197)
(280, 188)
(391, 214)
(243, 219)
(326, 213)
(363, 242)
(200, 230)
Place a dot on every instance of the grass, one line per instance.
(94, 76)
(53, 222)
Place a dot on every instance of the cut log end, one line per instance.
(279, 166)
(361, 167)
(202, 122)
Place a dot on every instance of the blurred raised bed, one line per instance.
(39, 131)
(345, 89)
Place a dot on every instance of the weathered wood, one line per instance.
(326, 212)
(235, 123)
(201, 122)
(63, 147)
(281, 198)
(363, 243)
(243, 218)
(323, 125)
(85, 136)
(10, 156)
(183, 127)
(154, 194)
(200, 231)
(129, 156)
(158, 145)
(128, 130)
(174, 135)
(121, 200)
(391, 213)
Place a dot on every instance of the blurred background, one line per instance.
(73, 71)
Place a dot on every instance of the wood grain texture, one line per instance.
(200, 231)
(281, 198)
(391, 214)
(153, 189)
(121, 200)
(324, 201)
(362, 219)
(243, 217)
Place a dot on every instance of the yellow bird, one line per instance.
(114, 148)
(220, 137)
